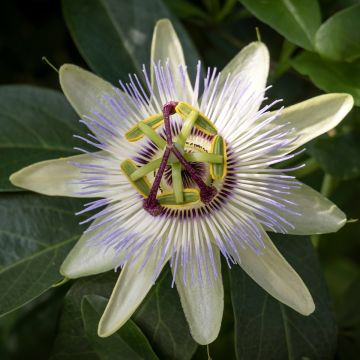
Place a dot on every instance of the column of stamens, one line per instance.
(207, 193)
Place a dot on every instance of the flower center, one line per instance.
(185, 161)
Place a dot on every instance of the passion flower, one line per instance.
(185, 173)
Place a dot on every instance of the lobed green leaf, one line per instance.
(127, 343)
(339, 155)
(330, 76)
(114, 36)
(266, 329)
(36, 233)
(36, 124)
(296, 20)
(338, 38)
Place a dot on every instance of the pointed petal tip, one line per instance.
(346, 103)
(305, 305)
(106, 329)
(65, 70)
(301, 301)
(163, 22)
(205, 338)
(258, 47)
(15, 179)
(203, 303)
(83, 89)
(67, 271)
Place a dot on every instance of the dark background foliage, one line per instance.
(59, 323)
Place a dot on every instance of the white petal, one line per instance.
(203, 304)
(166, 46)
(274, 274)
(86, 258)
(129, 291)
(251, 65)
(313, 117)
(54, 177)
(83, 89)
(318, 214)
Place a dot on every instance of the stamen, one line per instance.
(207, 193)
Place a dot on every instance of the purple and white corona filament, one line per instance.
(185, 173)
(147, 139)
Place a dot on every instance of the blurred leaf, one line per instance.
(339, 274)
(330, 76)
(114, 36)
(162, 320)
(16, 344)
(36, 233)
(71, 342)
(338, 38)
(185, 9)
(338, 155)
(127, 343)
(349, 324)
(266, 329)
(296, 20)
(36, 124)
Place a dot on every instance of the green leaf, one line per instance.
(127, 343)
(339, 155)
(36, 233)
(330, 76)
(338, 38)
(36, 124)
(162, 320)
(266, 329)
(16, 327)
(114, 36)
(71, 342)
(296, 20)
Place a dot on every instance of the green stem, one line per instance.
(226, 10)
(284, 60)
(328, 185)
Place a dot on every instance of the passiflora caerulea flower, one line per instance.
(183, 173)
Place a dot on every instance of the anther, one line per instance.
(207, 193)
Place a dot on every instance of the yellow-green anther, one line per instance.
(177, 182)
(218, 147)
(142, 185)
(191, 157)
(202, 122)
(186, 129)
(135, 133)
(152, 135)
(191, 196)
